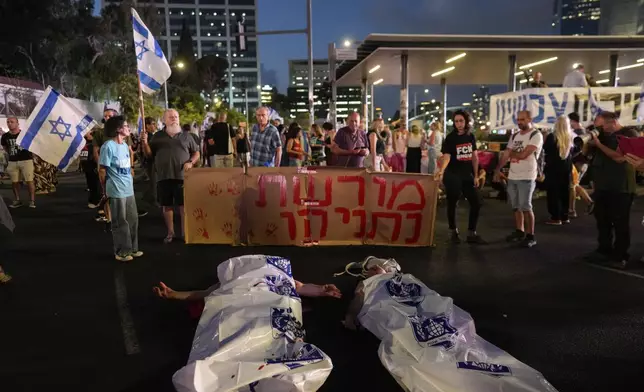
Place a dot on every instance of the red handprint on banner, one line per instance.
(227, 228)
(203, 233)
(271, 228)
(214, 189)
(233, 188)
(199, 214)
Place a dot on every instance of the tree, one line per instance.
(128, 92)
(211, 71)
(189, 103)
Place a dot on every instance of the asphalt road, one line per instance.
(62, 319)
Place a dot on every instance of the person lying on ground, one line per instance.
(303, 290)
(426, 342)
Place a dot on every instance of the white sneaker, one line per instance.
(123, 258)
(92, 206)
(138, 253)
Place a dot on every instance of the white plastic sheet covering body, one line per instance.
(430, 345)
(250, 335)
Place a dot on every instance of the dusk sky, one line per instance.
(336, 20)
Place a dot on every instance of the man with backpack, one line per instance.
(523, 151)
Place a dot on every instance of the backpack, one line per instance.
(541, 157)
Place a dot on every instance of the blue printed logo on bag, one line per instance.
(281, 264)
(409, 294)
(284, 324)
(487, 368)
(435, 331)
(280, 286)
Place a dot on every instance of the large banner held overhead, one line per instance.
(546, 104)
(302, 207)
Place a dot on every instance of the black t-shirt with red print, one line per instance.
(461, 149)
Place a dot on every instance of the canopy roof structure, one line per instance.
(484, 59)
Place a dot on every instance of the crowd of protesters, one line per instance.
(557, 160)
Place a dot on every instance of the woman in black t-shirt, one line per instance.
(457, 168)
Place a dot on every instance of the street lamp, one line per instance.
(180, 65)
(347, 43)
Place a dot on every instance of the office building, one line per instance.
(267, 94)
(212, 24)
(622, 17)
(349, 99)
(577, 17)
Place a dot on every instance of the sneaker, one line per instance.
(32, 204)
(516, 236)
(528, 242)
(475, 239)
(572, 214)
(92, 205)
(565, 222)
(123, 258)
(454, 238)
(553, 222)
(100, 218)
(15, 204)
(138, 253)
(591, 208)
(142, 213)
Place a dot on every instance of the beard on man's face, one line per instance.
(173, 128)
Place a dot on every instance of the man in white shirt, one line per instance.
(576, 77)
(522, 151)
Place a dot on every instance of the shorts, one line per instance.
(574, 178)
(520, 194)
(16, 168)
(170, 193)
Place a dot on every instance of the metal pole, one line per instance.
(230, 57)
(309, 36)
(404, 90)
(444, 95)
(415, 104)
(373, 104)
(333, 115)
(365, 105)
(512, 80)
(612, 79)
(246, 104)
(165, 90)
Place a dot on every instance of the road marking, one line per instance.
(632, 274)
(127, 325)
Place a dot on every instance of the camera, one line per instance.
(582, 142)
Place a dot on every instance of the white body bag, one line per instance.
(250, 335)
(430, 345)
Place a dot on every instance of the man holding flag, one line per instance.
(21, 163)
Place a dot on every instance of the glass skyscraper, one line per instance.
(212, 24)
(576, 17)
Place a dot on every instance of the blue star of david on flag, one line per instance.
(595, 109)
(140, 45)
(56, 131)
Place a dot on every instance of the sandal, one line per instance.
(168, 239)
(4, 278)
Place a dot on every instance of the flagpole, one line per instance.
(165, 89)
(141, 106)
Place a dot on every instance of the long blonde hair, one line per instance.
(562, 136)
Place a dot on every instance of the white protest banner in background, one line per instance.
(546, 104)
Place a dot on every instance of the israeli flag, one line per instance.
(55, 130)
(595, 109)
(152, 65)
(274, 115)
